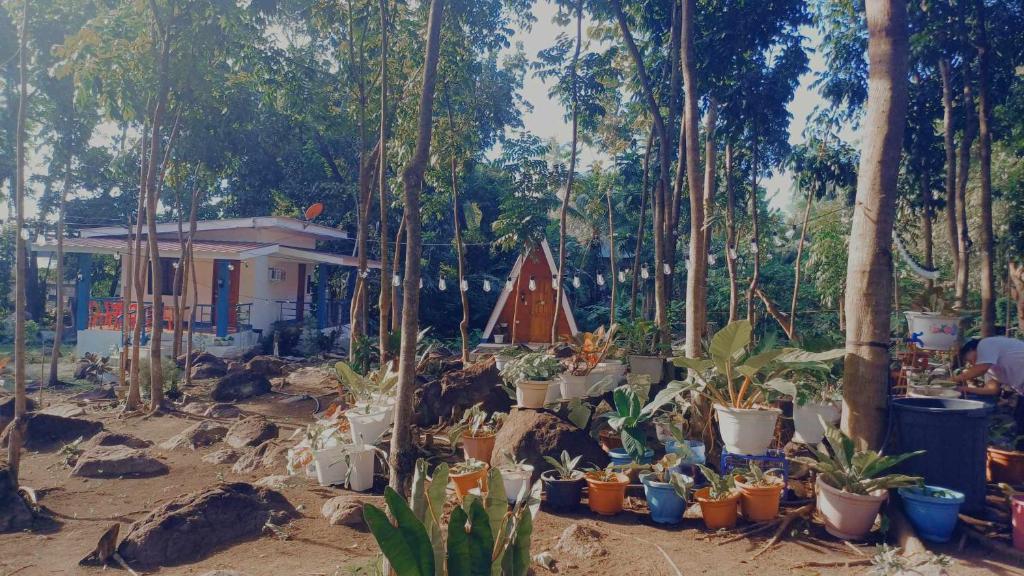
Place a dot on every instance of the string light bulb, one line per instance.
(791, 232)
(508, 285)
(753, 247)
(24, 234)
(421, 283)
(666, 268)
(644, 273)
(117, 255)
(575, 281)
(442, 285)
(622, 277)
(487, 285)
(464, 285)
(712, 259)
(777, 241)
(732, 253)
(600, 279)
(533, 284)
(40, 240)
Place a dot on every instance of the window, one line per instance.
(168, 266)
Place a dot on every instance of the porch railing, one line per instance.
(109, 314)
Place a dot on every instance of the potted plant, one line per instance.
(932, 510)
(588, 349)
(532, 374)
(741, 385)
(373, 408)
(508, 353)
(469, 475)
(563, 484)
(850, 483)
(516, 476)
(477, 430)
(643, 351)
(350, 465)
(760, 492)
(628, 419)
(819, 395)
(932, 323)
(1005, 458)
(612, 367)
(606, 490)
(666, 491)
(719, 500)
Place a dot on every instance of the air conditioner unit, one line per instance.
(276, 274)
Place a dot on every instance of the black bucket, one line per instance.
(954, 435)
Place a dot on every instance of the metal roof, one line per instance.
(280, 222)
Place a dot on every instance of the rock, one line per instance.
(276, 482)
(197, 435)
(7, 409)
(251, 431)
(582, 540)
(312, 378)
(269, 366)
(191, 526)
(46, 431)
(119, 439)
(222, 456)
(209, 370)
(223, 573)
(532, 434)
(116, 462)
(65, 410)
(197, 358)
(438, 362)
(97, 394)
(197, 408)
(446, 399)
(222, 410)
(266, 455)
(240, 386)
(344, 511)
(15, 513)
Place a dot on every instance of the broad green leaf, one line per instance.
(418, 495)
(496, 501)
(634, 440)
(459, 561)
(699, 365)
(782, 386)
(481, 540)
(759, 361)
(793, 355)
(398, 552)
(729, 342)
(669, 393)
(579, 413)
(436, 496)
(516, 561)
(411, 530)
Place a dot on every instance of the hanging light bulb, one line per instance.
(768, 256)
(421, 283)
(40, 240)
(575, 281)
(644, 273)
(364, 274)
(712, 259)
(732, 253)
(24, 234)
(464, 285)
(533, 284)
(175, 265)
(395, 280)
(232, 267)
(622, 277)
(117, 255)
(791, 232)
(441, 285)
(777, 241)
(487, 285)
(600, 279)
(753, 247)
(508, 285)
(666, 268)
(554, 283)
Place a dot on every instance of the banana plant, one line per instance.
(852, 467)
(482, 537)
(628, 419)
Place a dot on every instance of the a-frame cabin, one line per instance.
(526, 312)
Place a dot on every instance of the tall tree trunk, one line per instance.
(559, 287)
(730, 233)
(645, 184)
(949, 144)
(358, 312)
(137, 270)
(190, 258)
(660, 187)
(870, 267)
(963, 275)
(988, 288)
(927, 217)
(18, 427)
(613, 267)
(1015, 274)
(710, 166)
(755, 237)
(403, 453)
(460, 255)
(696, 287)
(798, 269)
(385, 270)
(395, 312)
(673, 125)
(58, 313)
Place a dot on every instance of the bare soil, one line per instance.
(85, 508)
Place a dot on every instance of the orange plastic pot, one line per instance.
(1005, 466)
(606, 498)
(466, 482)
(478, 447)
(760, 503)
(718, 513)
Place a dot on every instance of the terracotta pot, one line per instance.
(532, 393)
(1005, 466)
(848, 516)
(760, 503)
(478, 447)
(609, 440)
(466, 482)
(606, 498)
(718, 513)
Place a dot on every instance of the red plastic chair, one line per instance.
(96, 314)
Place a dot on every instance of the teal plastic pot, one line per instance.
(665, 504)
(932, 510)
(620, 457)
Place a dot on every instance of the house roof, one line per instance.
(279, 222)
(206, 250)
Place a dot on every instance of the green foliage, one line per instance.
(752, 475)
(374, 387)
(721, 486)
(847, 466)
(629, 419)
(531, 366)
(565, 466)
(640, 338)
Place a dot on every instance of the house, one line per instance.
(526, 305)
(250, 273)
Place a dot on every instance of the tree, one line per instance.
(869, 270)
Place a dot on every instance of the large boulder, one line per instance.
(191, 526)
(117, 462)
(197, 435)
(251, 431)
(222, 456)
(268, 455)
(15, 514)
(207, 366)
(46, 431)
(239, 386)
(347, 510)
(532, 434)
(269, 366)
(312, 378)
(445, 399)
(119, 439)
(7, 409)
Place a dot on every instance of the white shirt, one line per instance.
(1006, 356)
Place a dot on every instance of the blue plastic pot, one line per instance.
(932, 510)
(666, 506)
(620, 457)
(696, 446)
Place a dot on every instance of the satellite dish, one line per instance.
(314, 211)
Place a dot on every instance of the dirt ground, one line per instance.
(626, 544)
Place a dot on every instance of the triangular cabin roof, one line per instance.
(530, 320)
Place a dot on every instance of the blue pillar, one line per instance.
(321, 296)
(223, 290)
(83, 290)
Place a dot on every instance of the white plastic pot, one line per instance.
(809, 429)
(614, 370)
(933, 331)
(747, 431)
(361, 462)
(652, 366)
(573, 386)
(554, 392)
(499, 338)
(368, 427)
(515, 479)
(848, 516)
(531, 393)
(331, 468)
(500, 362)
